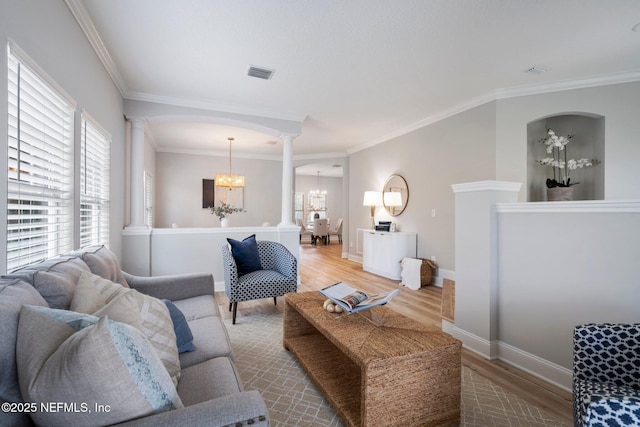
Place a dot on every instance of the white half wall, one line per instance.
(528, 273)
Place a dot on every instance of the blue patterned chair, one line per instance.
(278, 276)
(606, 375)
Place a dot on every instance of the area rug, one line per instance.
(293, 399)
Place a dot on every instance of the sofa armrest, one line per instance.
(235, 409)
(174, 287)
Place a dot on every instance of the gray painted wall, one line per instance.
(619, 104)
(333, 186)
(179, 190)
(458, 149)
(484, 143)
(49, 34)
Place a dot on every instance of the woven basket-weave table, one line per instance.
(378, 367)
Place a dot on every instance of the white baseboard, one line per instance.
(438, 279)
(479, 345)
(354, 258)
(548, 371)
(541, 368)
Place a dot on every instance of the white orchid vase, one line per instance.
(559, 162)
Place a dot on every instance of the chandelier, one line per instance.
(229, 180)
(317, 191)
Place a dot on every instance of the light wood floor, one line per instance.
(321, 266)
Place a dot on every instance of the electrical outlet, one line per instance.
(433, 258)
(433, 213)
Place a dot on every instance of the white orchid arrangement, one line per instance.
(222, 210)
(562, 166)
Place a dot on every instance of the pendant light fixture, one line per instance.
(230, 180)
(317, 191)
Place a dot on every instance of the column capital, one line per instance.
(289, 136)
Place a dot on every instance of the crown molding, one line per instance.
(215, 106)
(605, 80)
(596, 81)
(80, 13)
(213, 153)
(337, 154)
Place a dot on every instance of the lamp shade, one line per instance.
(372, 198)
(393, 198)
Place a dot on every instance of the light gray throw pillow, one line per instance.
(85, 361)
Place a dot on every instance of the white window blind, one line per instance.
(40, 166)
(148, 200)
(95, 167)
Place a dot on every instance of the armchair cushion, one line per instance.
(246, 254)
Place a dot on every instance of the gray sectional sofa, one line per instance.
(48, 352)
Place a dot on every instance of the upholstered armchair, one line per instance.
(278, 275)
(606, 375)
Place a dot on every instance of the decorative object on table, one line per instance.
(395, 195)
(223, 210)
(560, 187)
(230, 180)
(383, 226)
(372, 199)
(332, 307)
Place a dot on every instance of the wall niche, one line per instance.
(588, 141)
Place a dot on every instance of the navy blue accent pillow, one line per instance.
(246, 254)
(184, 337)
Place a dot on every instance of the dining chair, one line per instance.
(320, 230)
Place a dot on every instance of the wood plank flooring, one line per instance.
(322, 265)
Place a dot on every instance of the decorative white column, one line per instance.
(137, 173)
(287, 180)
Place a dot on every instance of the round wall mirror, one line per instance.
(395, 195)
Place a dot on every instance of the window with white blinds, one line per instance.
(148, 200)
(95, 166)
(40, 166)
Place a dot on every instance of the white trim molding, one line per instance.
(81, 14)
(548, 371)
(577, 206)
(486, 186)
(537, 366)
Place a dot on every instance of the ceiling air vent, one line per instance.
(535, 70)
(260, 72)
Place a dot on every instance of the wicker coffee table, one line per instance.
(376, 368)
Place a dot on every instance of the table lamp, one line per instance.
(372, 199)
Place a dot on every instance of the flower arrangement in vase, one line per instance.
(559, 188)
(223, 210)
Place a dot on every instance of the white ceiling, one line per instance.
(357, 72)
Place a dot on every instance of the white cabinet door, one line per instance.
(383, 251)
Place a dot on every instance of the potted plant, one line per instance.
(223, 210)
(560, 187)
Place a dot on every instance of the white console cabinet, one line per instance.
(382, 251)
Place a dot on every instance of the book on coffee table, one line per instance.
(354, 300)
